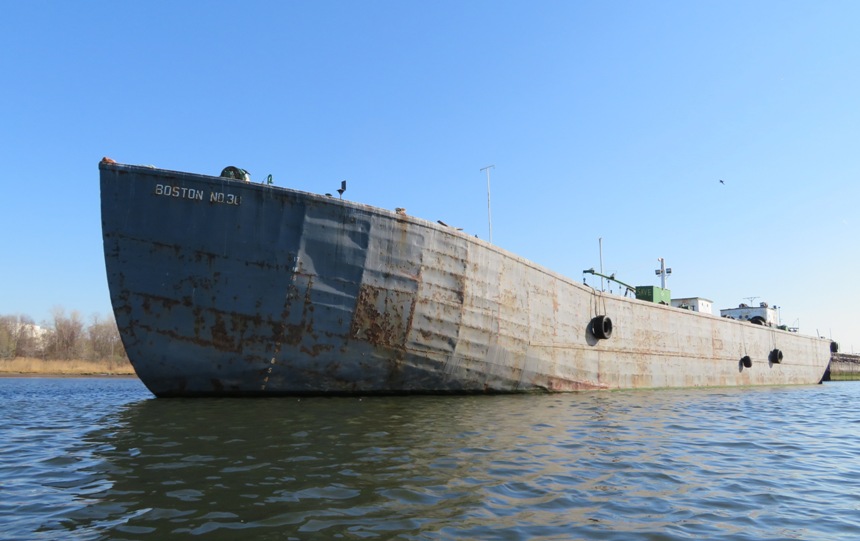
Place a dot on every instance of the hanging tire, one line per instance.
(834, 347)
(775, 356)
(757, 320)
(746, 361)
(601, 327)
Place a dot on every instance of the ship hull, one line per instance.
(223, 287)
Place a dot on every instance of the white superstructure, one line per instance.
(763, 314)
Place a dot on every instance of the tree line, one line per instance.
(65, 337)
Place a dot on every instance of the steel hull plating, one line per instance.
(222, 287)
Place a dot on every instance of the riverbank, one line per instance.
(26, 366)
(843, 367)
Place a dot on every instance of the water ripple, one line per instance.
(100, 459)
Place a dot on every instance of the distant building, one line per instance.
(696, 304)
(18, 338)
(31, 331)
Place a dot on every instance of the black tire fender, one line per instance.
(601, 327)
(776, 356)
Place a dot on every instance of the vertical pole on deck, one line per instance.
(600, 247)
(489, 211)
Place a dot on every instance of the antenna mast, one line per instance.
(489, 212)
(600, 247)
(662, 272)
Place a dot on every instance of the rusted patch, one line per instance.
(292, 333)
(316, 349)
(223, 331)
(221, 339)
(288, 334)
(163, 246)
(166, 303)
(382, 316)
(199, 256)
(557, 385)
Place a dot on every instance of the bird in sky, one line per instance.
(721, 181)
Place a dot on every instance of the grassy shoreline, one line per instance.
(32, 367)
(26, 366)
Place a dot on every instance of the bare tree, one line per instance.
(103, 341)
(8, 342)
(65, 339)
(19, 337)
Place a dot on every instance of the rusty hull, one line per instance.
(223, 287)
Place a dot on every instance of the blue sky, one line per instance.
(612, 120)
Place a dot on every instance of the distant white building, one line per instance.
(17, 337)
(32, 331)
(696, 304)
(760, 315)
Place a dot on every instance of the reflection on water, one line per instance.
(775, 463)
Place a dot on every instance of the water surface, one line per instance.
(102, 459)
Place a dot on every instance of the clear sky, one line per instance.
(604, 119)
